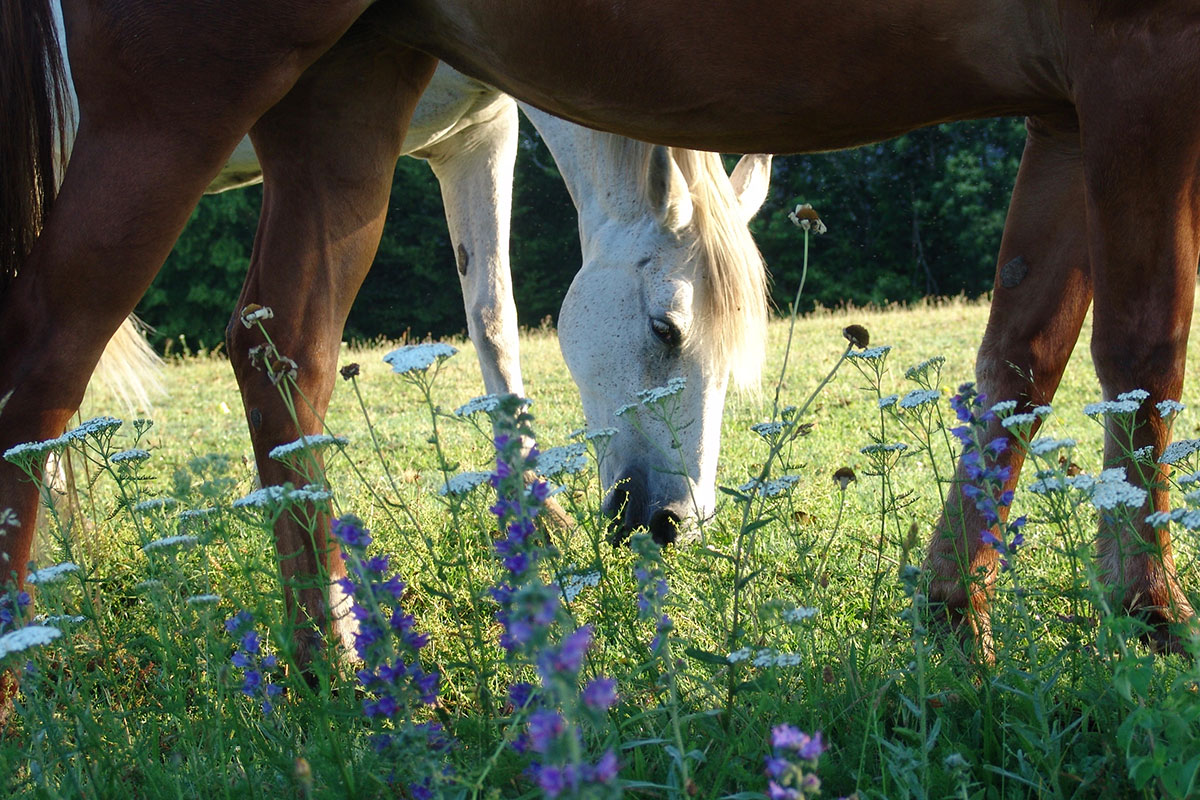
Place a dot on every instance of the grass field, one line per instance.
(139, 697)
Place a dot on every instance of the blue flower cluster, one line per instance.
(980, 461)
(651, 588)
(791, 768)
(12, 607)
(529, 612)
(395, 683)
(255, 664)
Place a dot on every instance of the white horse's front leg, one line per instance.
(475, 169)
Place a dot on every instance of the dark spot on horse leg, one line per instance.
(464, 258)
(255, 418)
(1012, 273)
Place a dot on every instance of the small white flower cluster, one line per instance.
(889, 401)
(878, 449)
(418, 357)
(920, 397)
(203, 599)
(871, 353)
(60, 619)
(919, 370)
(1188, 480)
(1017, 421)
(463, 483)
(133, 455)
(33, 450)
(486, 403)
(769, 430)
(1045, 446)
(318, 441)
(1144, 453)
(1179, 450)
(569, 459)
(271, 496)
(1004, 407)
(771, 488)
(1106, 492)
(182, 541)
(22, 639)
(765, 657)
(48, 575)
(1126, 403)
(577, 583)
(1167, 408)
(1113, 490)
(600, 433)
(197, 513)
(799, 614)
(156, 504)
(658, 393)
(95, 426)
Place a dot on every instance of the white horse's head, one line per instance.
(672, 291)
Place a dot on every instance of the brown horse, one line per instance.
(1106, 208)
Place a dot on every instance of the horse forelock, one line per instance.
(732, 307)
(33, 94)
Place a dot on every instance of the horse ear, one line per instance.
(751, 181)
(668, 191)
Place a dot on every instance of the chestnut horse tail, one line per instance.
(33, 115)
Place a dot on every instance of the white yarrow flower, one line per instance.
(1112, 490)
(1168, 407)
(22, 639)
(872, 449)
(40, 449)
(920, 397)
(463, 483)
(312, 443)
(1045, 446)
(418, 357)
(1018, 421)
(658, 393)
(132, 455)
(889, 400)
(569, 459)
(203, 599)
(95, 426)
(799, 614)
(47, 575)
(1179, 450)
(871, 353)
(486, 403)
(1004, 407)
(182, 541)
(577, 583)
(738, 655)
(772, 488)
(156, 503)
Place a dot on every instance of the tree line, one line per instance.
(917, 216)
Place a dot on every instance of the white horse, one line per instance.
(671, 286)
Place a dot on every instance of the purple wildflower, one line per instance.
(255, 665)
(791, 769)
(600, 694)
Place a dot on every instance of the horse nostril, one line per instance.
(664, 527)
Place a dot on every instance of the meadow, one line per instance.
(703, 670)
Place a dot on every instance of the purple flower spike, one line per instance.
(600, 694)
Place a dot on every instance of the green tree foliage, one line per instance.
(912, 217)
(919, 215)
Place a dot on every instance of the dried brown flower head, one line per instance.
(843, 477)
(349, 371)
(857, 335)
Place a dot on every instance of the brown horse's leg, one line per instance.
(1142, 172)
(162, 104)
(1040, 298)
(328, 152)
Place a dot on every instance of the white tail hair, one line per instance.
(130, 368)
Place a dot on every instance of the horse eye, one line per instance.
(665, 332)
